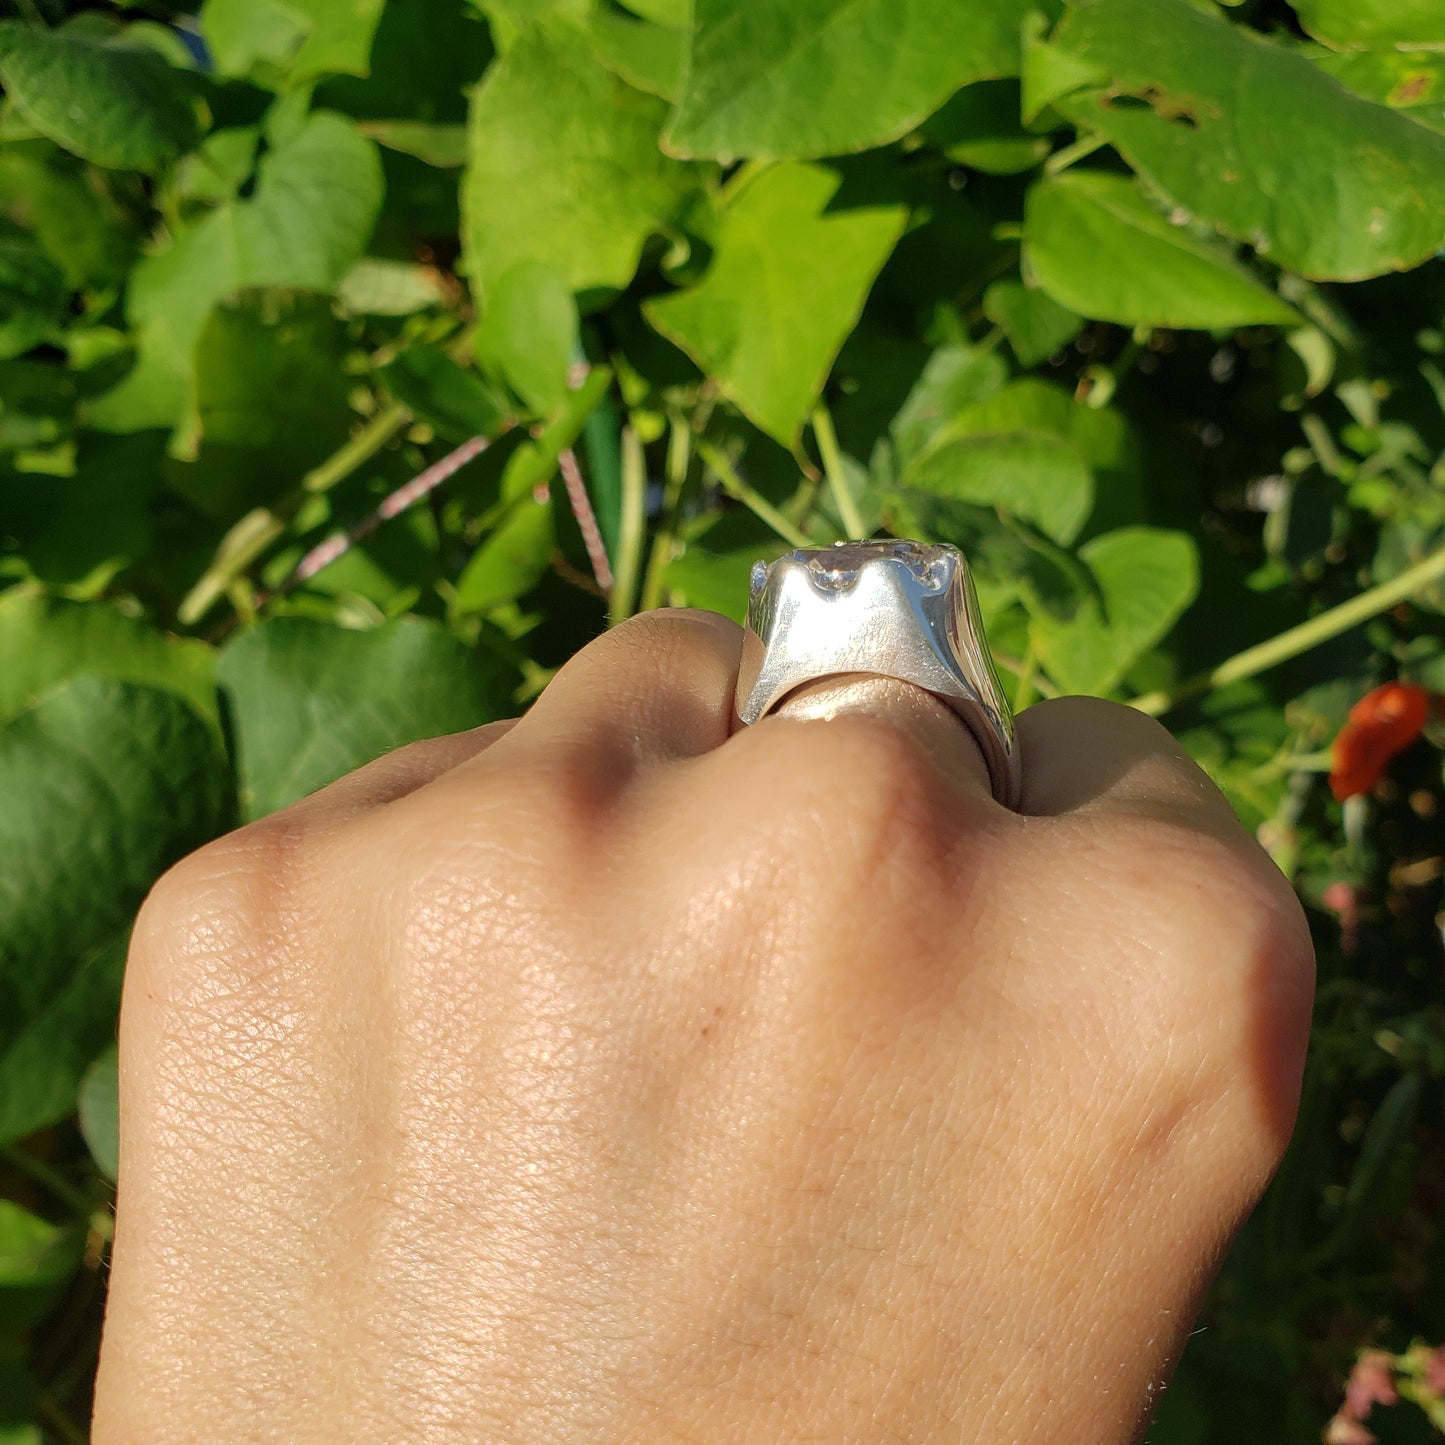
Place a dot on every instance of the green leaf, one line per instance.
(510, 18)
(426, 56)
(110, 104)
(310, 701)
(511, 561)
(1410, 81)
(1035, 324)
(443, 146)
(309, 221)
(1370, 24)
(1096, 245)
(649, 57)
(100, 518)
(1145, 579)
(219, 167)
(106, 784)
(302, 38)
(36, 1259)
(458, 404)
(45, 642)
(18, 1392)
(1050, 72)
(530, 334)
(1250, 136)
(33, 297)
(76, 223)
(675, 14)
(980, 127)
(716, 581)
(1033, 476)
(787, 283)
(954, 378)
(99, 1110)
(43, 1063)
(270, 401)
(565, 167)
(804, 78)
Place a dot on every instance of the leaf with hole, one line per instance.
(1250, 136)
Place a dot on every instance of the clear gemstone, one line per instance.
(837, 568)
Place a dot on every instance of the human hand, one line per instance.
(604, 1077)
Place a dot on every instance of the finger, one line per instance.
(926, 720)
(660, 684)
(1107, 777)
(1082, 754)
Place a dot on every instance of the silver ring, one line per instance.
(895, 609)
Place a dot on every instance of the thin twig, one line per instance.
(1062, 159)
(664, 540)
(48, 1177)
(832, 458)
(717, 463)
(634, 526)
(392, 505)
(581, 505)
(257, 530)
(1295, 640)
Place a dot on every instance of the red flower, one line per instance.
(1383, 723)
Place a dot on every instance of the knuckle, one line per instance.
(1224, 982)
(215, 922)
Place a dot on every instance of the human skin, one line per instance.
(615, 1077)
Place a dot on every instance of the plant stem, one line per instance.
(1061, 160)
(59, 1421)
(634, 526)
(48, 1178)
(1296, 640)
(664, 541)
(258, 529)
(754, 501)
(833, 469)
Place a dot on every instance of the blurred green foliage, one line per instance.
(1139, 301)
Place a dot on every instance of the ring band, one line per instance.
(899, 609)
